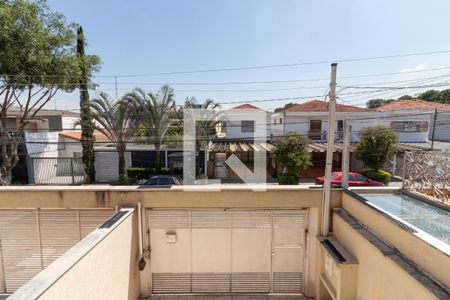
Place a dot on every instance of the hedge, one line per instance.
(288, 179)
(380, 175)
(138, 173)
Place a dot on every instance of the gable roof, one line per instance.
(246, 106)
(322, 106)
(414, 104)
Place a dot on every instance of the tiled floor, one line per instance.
(229, 297)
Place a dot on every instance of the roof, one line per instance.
(17, 112)
(322, 106)
(246, 106)
(415, 104)
(76, 135)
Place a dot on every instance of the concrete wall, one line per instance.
(101, 266)
(378, 277)
(231, 196)
(435, 262)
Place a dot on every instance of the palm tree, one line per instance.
(118, 121)
(155, 110)
(210, 118)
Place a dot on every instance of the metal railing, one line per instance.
(56, 170)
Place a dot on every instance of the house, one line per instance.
(418, 123)
(43, 127)
(240, 122)
(45, 120)
(310, 119)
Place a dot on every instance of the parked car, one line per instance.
(161, 180)
(354, 179)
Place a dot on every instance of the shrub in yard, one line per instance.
(290, 152)
(380, 176)
(137, 173)
(376, 145)
(287, 179)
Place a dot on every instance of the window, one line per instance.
(281, 120)
(315, 128)
(360, 178)
(409, 126)
(248, 126)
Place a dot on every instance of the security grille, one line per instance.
(32, 239)
(56, 170)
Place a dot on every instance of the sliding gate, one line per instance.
(227, 251)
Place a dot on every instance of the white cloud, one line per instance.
(419, 67)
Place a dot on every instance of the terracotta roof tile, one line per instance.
(415, 104)
(99, 137)
(322, 106)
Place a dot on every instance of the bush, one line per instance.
(381, 176)
(165, 171)
(138, 173)
(287, 179)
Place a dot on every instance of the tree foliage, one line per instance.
(290, 152)
(37, 59)
(374, 103)
(376, 145)
(286, 106)
(156, 111)
(118, 121)
(87, 129)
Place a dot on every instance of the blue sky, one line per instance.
(138, 37)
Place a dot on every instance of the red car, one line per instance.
(354, 179)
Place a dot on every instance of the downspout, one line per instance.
(141, 263)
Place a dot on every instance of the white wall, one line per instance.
(233, 124)
(68, 123)
(442, 126)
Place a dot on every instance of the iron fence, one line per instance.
(56, 170)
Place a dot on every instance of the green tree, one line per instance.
(290, 152)
(37, 59)
(405, 97)
(286, 106)
(376, 145)
(374, 103)
(87, 130)
(156, 112)
(118, 121)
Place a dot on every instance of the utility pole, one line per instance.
(330, 150)
(434, 128)
(346, 154)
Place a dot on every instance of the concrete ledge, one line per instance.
(431, 284)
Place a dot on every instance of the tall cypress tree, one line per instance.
(87, 130)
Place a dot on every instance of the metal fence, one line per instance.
(56, 170)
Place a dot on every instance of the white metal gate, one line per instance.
(227, 251)
(31, 239)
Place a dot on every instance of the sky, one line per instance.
(141, 37)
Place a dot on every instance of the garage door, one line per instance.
(227, 251)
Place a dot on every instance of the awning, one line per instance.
(237, 146)
(234, 147)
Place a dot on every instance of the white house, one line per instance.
(247, 121)
(310, 119)
(417, 122)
